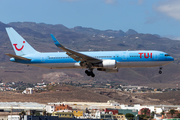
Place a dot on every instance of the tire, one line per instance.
(160, 72)
(92, 75)
(86, 71)
(88, 74)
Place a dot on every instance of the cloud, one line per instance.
(172, 37)
(170, 8)
(140, 2)
(110, 1)
(175, 38)
(137, 2)
(69, 0)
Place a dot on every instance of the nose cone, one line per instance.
(171, 58)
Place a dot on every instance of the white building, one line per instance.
(155, 108)
(103, 115)
(28, 91)
(113, 103)
(13, 117)
(4, 117)
(50, 108)
(26, 106)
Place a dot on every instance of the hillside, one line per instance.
(171, 97)
(85, 39)
(63, 93)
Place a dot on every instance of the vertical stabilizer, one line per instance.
(20, 45)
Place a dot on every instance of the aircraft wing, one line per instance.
(17, 57)
(74, 54)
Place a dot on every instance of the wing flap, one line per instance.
(74, 54)
(17, 57)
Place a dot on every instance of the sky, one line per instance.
(160, 17)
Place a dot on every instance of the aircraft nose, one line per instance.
(171, 58)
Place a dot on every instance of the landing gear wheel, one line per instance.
(160, 70)
(86, 71)
(89, 73)
(92, 75)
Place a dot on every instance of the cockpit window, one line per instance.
(167, 55)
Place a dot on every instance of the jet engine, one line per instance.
(109, 64)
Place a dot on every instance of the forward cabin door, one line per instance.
(124, 56)
(124, 62)
(156, 56)
(42, 59)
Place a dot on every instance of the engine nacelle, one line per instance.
(109, 64)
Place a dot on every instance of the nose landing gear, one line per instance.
(160, 70)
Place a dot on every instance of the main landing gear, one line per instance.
(160, 70)
(90, 73)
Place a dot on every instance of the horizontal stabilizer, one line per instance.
(17, 57)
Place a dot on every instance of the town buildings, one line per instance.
(85, 110)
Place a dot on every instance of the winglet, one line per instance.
(56, 42)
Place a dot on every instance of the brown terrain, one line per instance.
(62, 93)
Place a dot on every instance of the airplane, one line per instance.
(108, 61)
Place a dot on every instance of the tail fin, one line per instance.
(20, 45)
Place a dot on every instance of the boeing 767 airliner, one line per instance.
(108, 61)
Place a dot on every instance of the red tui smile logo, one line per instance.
(18, 49)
